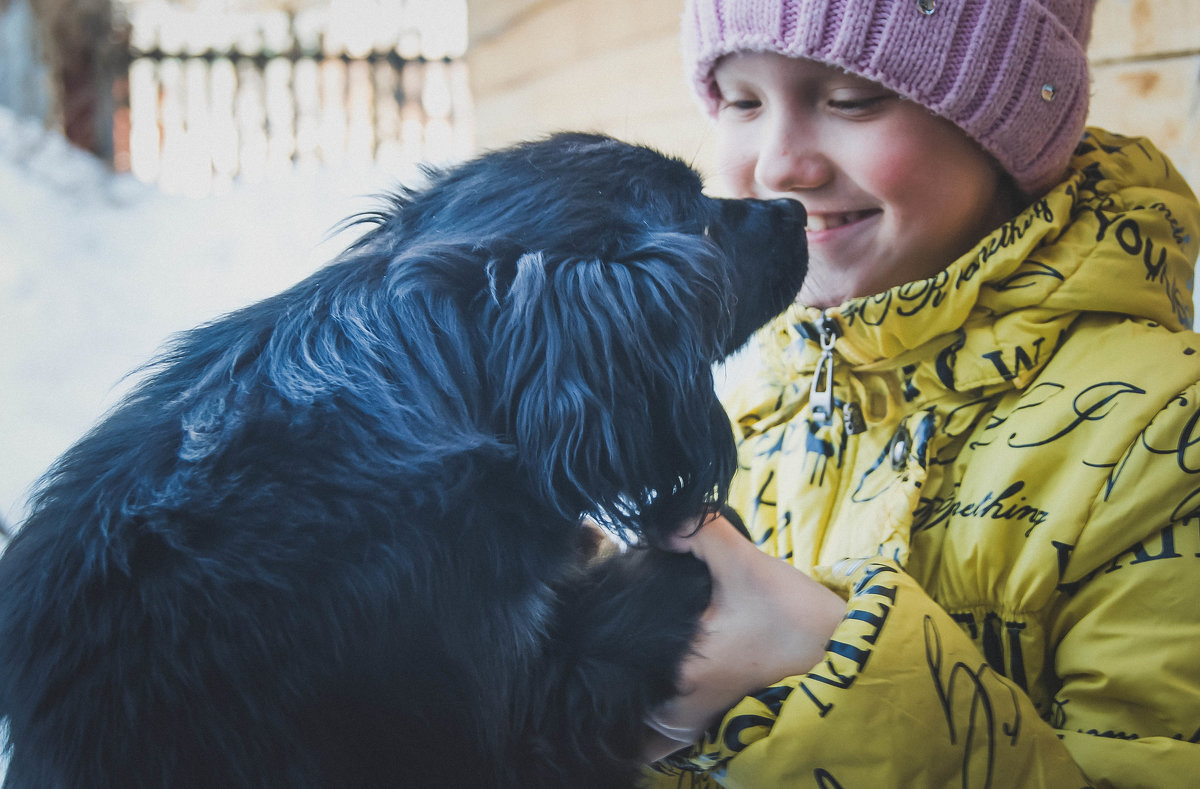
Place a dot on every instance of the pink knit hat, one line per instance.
(1012, 74)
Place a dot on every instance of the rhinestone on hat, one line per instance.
(927, 6)
(1048, 92)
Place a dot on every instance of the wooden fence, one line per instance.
(195, 121)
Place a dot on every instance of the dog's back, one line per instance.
(226, 584)
(258, 574)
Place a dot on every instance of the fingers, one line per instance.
(659, 746)
(706, 536)
(766, 621)
(680, 540)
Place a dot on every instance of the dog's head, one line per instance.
(603, 284)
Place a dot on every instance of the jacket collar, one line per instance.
(1118, 235)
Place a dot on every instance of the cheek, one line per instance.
(904, 176)
(736, 157)
(934, 192)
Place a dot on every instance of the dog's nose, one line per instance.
(754, 216)
(792, 211)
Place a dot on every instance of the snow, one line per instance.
(97, 270)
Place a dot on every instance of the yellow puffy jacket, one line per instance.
(1014, 446)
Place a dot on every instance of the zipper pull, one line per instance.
(821, 395)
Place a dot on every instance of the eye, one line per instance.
(857, 106)
(739, 105)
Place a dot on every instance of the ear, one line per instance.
(602, 375)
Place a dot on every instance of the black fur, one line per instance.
(622, 629)
(321, 544)
(625, 625)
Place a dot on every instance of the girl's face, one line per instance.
(893, 192)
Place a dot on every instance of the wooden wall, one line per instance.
(597, 65)
(1146, 75)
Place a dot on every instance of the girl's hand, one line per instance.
(767, 620)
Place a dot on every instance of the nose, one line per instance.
(792, 211)
(790, 160)
(770, 217)
(787, 217)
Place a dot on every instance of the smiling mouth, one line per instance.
(819, 222)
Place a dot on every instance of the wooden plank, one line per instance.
(617, 91)
(1124, 29)
(1157, 99)
(552, 36)
(487, 19)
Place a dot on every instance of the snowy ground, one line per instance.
(97, 270)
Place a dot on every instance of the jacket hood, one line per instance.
(1118, 235)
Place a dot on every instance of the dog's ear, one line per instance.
(602, 371)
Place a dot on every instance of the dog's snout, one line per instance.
(792, 210)
(765, 242)
(777, 215)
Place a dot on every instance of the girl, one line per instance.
(979, 424)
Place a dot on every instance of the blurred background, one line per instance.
(162, 163)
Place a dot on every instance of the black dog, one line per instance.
(323, 543)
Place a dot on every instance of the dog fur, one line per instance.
(332, 539)
(624, 624)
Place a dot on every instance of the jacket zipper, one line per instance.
(821, 401)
